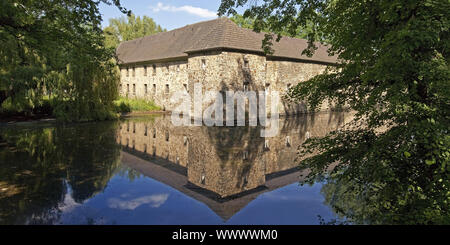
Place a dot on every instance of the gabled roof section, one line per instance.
(220, 33)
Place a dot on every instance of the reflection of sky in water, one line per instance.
(146, 201)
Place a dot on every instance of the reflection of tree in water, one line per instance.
(37, 164)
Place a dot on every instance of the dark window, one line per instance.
(154, 88)
(128, 72)
(145, 70)
(145, 88)
(128, 88)
(145, 131)
(246, 64)
(167, 88)
(178, 68)
(154, 70)
(203, 64)
(167, 136)
(134, 71)
(134, 88)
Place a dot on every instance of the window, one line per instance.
(245, 87)
(203, 64)
(178, 68)
(145, 70)
(167, 67)
(134, 128)
(167, 136)
(245, 63)
(134, 71)
(145, 148)
(185, 87)
(154, 133)
(120, 87)
(145, 130)
(145, 89)
(128, 72)
(128, 88)
(154, 70)
(266, 145)
(167, 88)
(134, 88)
(288, 141)
(154, 88)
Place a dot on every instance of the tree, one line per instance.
(393, 71)
(132, 27)
(250, 23)
(56, 48)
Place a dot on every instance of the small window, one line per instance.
(245, 87)
(145, 88)
(154, 70)
(178, 68)
(145, 130)
(167, 136)
(134, 71)
(128, 72)
(145, 148)
(145, 70)
(154, 133)
(128, 126)
(154, 88)
(167, 88)
(185, 87)
(266, 145)
(168, 68)
(245, 63)
(288, 141)
(134, 128)
(128, 88)
(154, 151)
(133, 144)
(134, 88)
(203, 64)
(120, 87)
(128, 142)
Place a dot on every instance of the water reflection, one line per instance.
(146, 171)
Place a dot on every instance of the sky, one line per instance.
(170, 14)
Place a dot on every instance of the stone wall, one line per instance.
(218, 71)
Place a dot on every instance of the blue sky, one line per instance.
(170, 14)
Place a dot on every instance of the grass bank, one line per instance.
(125, 105)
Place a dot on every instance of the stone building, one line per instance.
(218, 54)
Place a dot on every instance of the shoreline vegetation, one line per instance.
(45, 111)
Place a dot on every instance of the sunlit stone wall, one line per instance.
(217, 71)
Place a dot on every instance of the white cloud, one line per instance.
(201, 12)
(154, 201)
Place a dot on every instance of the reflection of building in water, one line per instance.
(223, 167)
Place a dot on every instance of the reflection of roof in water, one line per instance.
(175, 176)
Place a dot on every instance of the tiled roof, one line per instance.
(220, 33)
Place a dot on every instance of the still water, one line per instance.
(144, 170)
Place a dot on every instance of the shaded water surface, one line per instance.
(146, 171)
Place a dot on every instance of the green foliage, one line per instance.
(124, 105)
(125, 29)
(57, 48)
(393, 159)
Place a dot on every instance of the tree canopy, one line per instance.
(132, 27)
(393, 159)
(56, 49)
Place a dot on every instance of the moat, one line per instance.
(144, 170)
